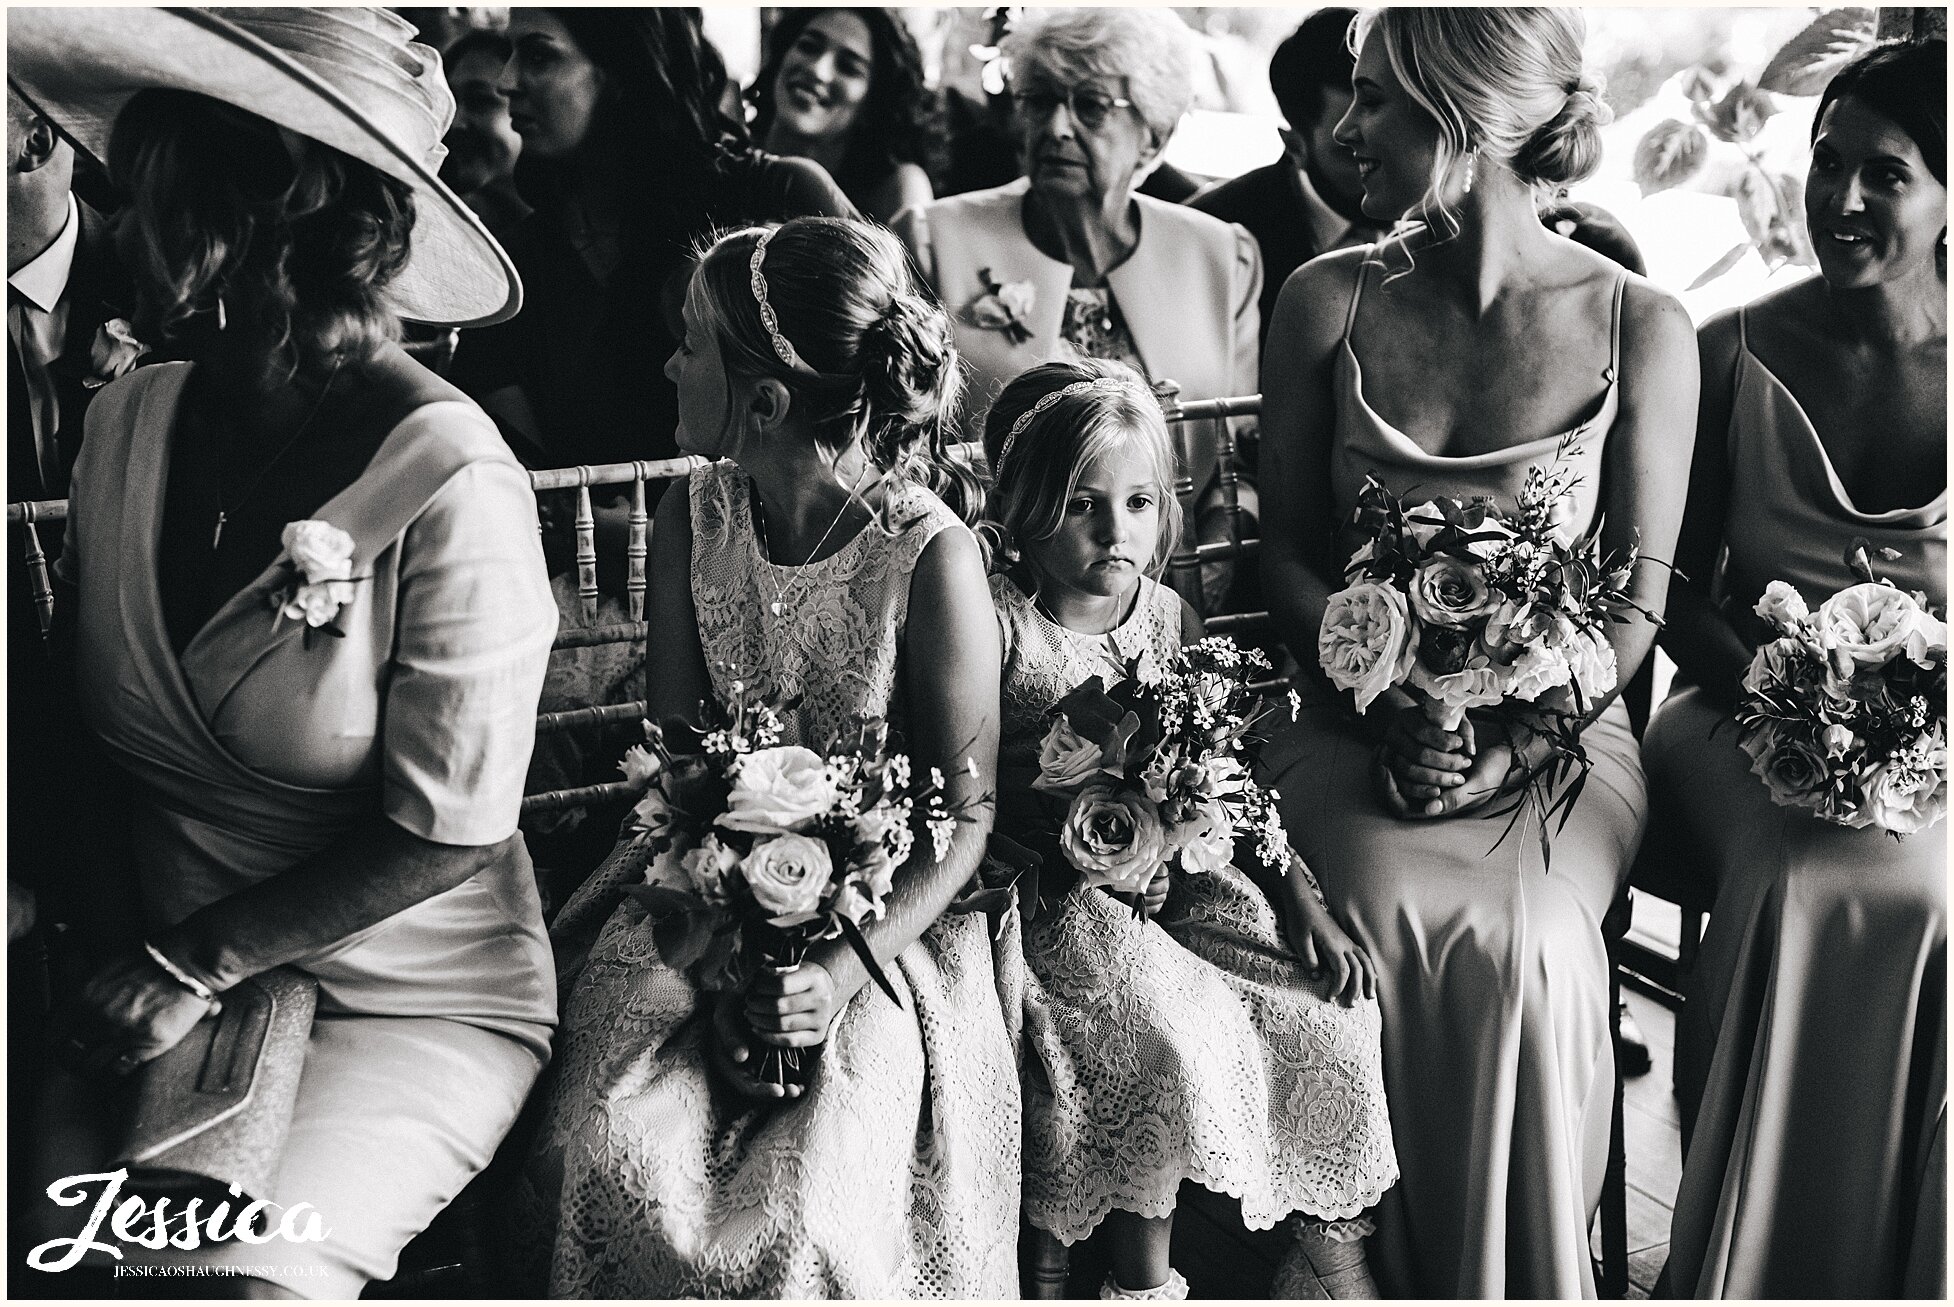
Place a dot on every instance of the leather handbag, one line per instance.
(211, 1115)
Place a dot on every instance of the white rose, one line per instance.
(1365, 644)
(1784, 661)
(1473, 687)
(1593, 659)
(778, 789)
(1837, 740)
(320, 550)
(1065, 758)
(113, 353)
(788, 874)
(1782, 605)
(711, 869)
(1865, 625)
(1424, 521)
(1113, 837)
(1538, 670)
(639, 766)
(1449, 592)
(1907, 793)
(1206, 843)
(1017, 298)
(318, 604)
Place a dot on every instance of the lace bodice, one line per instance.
(836, 641)
(1044, 661)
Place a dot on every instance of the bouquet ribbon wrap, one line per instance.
(213, 1112)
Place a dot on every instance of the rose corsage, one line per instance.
(113, 353)
(1002, 307)
(318, 567)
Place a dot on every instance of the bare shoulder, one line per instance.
(1653, 319)
(1320, 290)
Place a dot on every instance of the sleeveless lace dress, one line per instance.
(1189, 1047)
(897, 1174)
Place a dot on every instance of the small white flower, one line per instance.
(320, 550)
(318, 604)
(113, 353)
(639, 765)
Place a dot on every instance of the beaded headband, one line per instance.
(781, 345)
(1109, 385)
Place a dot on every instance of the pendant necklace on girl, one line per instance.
(223, 512)
(779, 605)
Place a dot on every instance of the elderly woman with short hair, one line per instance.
(1069, 261)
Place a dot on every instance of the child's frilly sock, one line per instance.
(1174, 1290)
(1327, 1262)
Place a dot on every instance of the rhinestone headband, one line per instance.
(1108, 385)
(781, 345)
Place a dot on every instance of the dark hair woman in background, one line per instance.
(630, 158)
(844, 87)
(1811, 1059)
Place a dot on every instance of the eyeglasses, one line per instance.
(1089, 108)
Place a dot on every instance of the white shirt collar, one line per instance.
(44, 278)
(1328, 229)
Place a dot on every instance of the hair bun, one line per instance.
(1567, 147)
(909, 372)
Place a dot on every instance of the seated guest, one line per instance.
(1070, 262)
(1812, 1054)
(1310, 200)
(482, 146)
(630, 159)
(844, 87)
(346, 806)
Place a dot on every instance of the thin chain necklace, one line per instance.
(779, 606)
(223, 513)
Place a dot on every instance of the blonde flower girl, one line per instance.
(1221, 1041)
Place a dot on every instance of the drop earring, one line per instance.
(1472, 168)
(222, 320)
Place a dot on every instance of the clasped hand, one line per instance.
(786, 1009)
(1424, 770)
(127, 1013)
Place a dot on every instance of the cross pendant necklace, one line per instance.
(223, 514)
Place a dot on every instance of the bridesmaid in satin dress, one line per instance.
(1448, 361)
(1817, 1162)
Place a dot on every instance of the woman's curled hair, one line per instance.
(880, 355)
(298, 241)
(899, 121)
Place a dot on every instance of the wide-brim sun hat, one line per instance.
(354, 79)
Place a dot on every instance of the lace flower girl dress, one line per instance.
(897, 1174)
(1193, 1046)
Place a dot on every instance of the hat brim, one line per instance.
(81, 66)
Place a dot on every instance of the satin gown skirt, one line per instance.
(1494, 987)
(1817, 1166)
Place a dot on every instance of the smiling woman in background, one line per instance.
(1817, 1163)
(844, 87)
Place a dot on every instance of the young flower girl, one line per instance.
(1220, 1041)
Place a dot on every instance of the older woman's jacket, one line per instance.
(1188, 293)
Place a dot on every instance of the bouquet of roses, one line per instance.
(1845, 711)
(1473, 607)
(1153, 769)
(762, 849)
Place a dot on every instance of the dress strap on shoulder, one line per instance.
(1743, 331)
(1615, 330)
(1356, 294)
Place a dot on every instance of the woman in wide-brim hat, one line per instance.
(309, 611)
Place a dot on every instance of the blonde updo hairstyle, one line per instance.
(1030, 489)
(881, 362)
(1507, 82)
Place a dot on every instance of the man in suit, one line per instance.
(1308, 201)
(61, 279)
